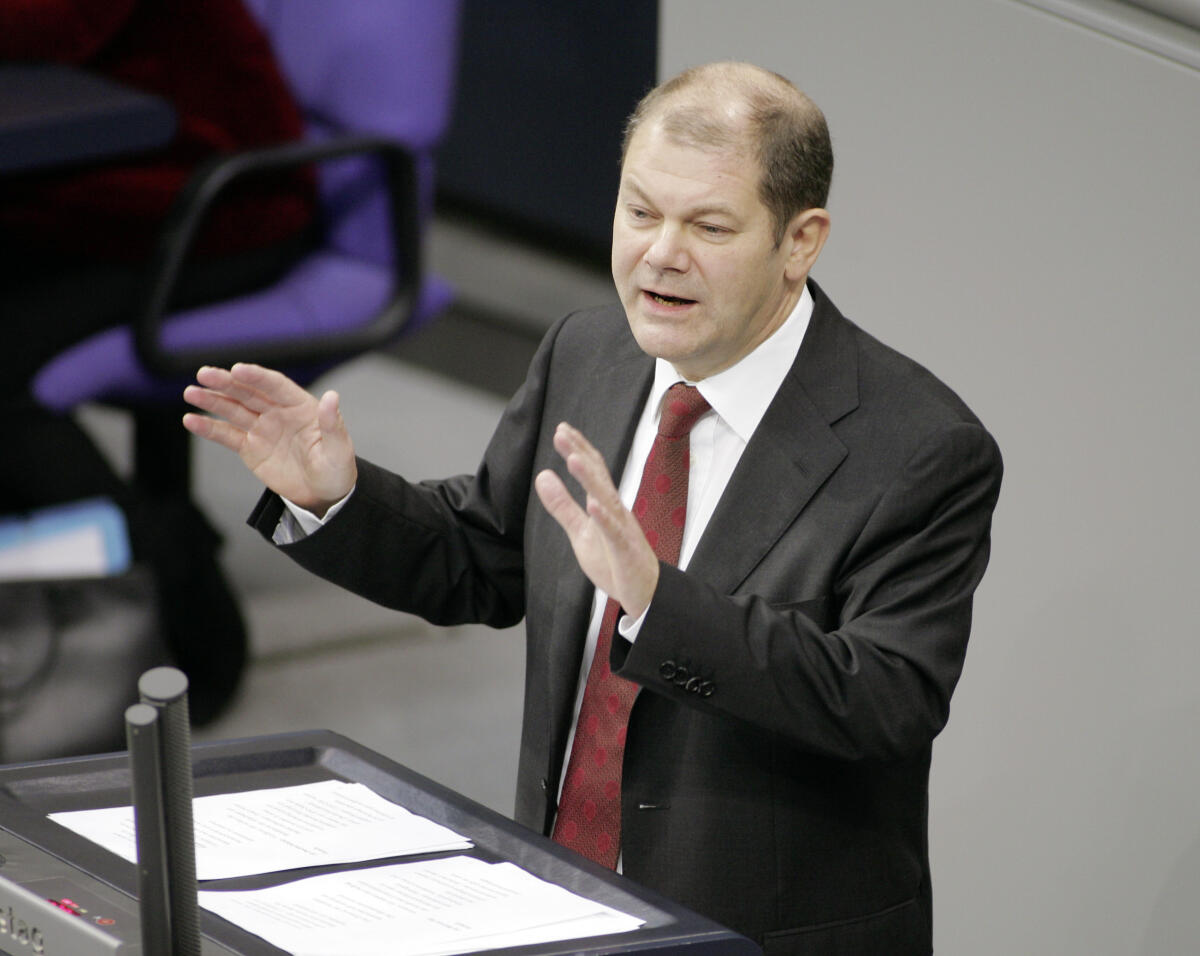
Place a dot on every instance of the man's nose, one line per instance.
(668, 251)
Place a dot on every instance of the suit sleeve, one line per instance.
(450, 551)
(866, 671)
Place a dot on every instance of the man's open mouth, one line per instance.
(669, 299)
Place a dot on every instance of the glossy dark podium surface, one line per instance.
(34, 848)
(52, 114)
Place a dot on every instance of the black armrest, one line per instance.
(188, 213)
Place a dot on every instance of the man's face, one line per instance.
(694, 257)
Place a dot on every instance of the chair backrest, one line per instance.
(379, 67)
(386, 66)
(367, 66)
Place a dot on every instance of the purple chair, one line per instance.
(375, 80)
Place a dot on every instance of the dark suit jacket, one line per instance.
(794, 677)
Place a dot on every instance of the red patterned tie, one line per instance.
(589, 813)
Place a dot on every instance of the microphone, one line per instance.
(159, 736)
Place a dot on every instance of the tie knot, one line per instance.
(682, 406)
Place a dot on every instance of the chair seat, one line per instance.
(327, 292)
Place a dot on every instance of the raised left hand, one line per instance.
(607, 539)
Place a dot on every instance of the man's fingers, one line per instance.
(329, 415)
(559, 504)
(223, 382)
(217, 403)
(614, 522)
(214, 430)
(337, 448)
(200, 397)
(212, 376)
(586, 466)
(608, 542)
(265, 385)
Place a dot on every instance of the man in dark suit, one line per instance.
(795, 662)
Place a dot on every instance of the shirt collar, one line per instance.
(740, 394)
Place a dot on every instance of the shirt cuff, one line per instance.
(628, 627)
(296, 522)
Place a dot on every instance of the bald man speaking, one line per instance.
(744, 536)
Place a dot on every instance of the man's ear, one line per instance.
(807, 233)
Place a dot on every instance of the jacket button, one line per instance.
(666, 670)
(693, 685)
(682, 674)
(707, 688)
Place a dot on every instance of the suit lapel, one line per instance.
(608, 404)
(612, 403)
(791, 454)
(607, 413)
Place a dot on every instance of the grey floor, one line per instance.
(444, 702)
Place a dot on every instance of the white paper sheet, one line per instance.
(263, 831)
(426, 908)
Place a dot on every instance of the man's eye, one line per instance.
(711, 230)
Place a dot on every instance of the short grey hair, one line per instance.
(724, 105)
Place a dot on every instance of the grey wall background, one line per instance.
(1017, 204)
(1184, 11)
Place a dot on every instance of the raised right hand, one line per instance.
(294, 444)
